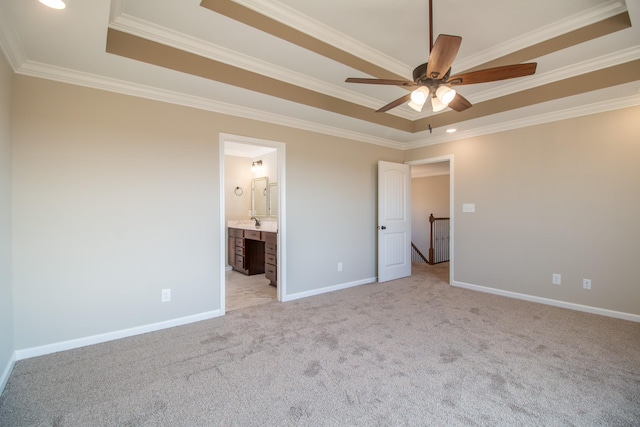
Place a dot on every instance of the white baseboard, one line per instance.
(6, 372)
(548, 301)
(291, 297)
(110, 336)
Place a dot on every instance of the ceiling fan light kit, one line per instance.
(433, 77)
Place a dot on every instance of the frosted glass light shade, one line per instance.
(437, 105)
(415, 106)
(445, 94)
(420, 95)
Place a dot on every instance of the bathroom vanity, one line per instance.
(253, 250)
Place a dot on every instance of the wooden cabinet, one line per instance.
(254, 252)
(271, 257)
(236, 250)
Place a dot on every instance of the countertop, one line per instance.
(270, 226)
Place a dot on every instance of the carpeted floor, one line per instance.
(409, 352)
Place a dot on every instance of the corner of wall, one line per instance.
(6, 372)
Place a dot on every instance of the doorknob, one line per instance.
(382, 227)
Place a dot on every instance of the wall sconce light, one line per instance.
(255, 165)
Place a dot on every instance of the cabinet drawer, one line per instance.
(270, 272)
(270, 248)
(270, 259)
(270, 237)
(239, 261)
(236, 232)
(239, 250)
(252, 234)
(239, 242)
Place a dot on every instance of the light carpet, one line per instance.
(415, 351)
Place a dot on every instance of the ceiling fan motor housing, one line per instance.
(420, 77)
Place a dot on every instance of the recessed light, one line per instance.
(451, 130)
(54, 4)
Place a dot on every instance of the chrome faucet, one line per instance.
(256, 220)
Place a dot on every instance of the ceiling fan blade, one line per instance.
(442, 55)
(459, 103)
(395, 103)
(381, 82)
(493, 74)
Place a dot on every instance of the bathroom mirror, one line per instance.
(273, 199)
(259, 196)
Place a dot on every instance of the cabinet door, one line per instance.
(231, 254)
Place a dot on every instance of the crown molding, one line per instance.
(117, 9)
(577, 21)
(590, 65)
(147, 30)
(554, 116)
(10, 42)
(65, 75)
(305, 24)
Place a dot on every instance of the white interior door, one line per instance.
(394, 221)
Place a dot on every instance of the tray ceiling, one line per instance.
(286, 61)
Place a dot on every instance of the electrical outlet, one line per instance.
(556, 279)
(166, 295)
(586, 284)
(339, 266)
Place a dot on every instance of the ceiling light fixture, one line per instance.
(54, 4)
(439, 101)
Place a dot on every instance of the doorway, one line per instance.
(432, 172)
(244, 163)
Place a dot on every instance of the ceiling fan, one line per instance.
(433, 80)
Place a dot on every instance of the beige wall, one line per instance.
(429, 195)
(117, 198)
(6, 289)
(555, 198)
